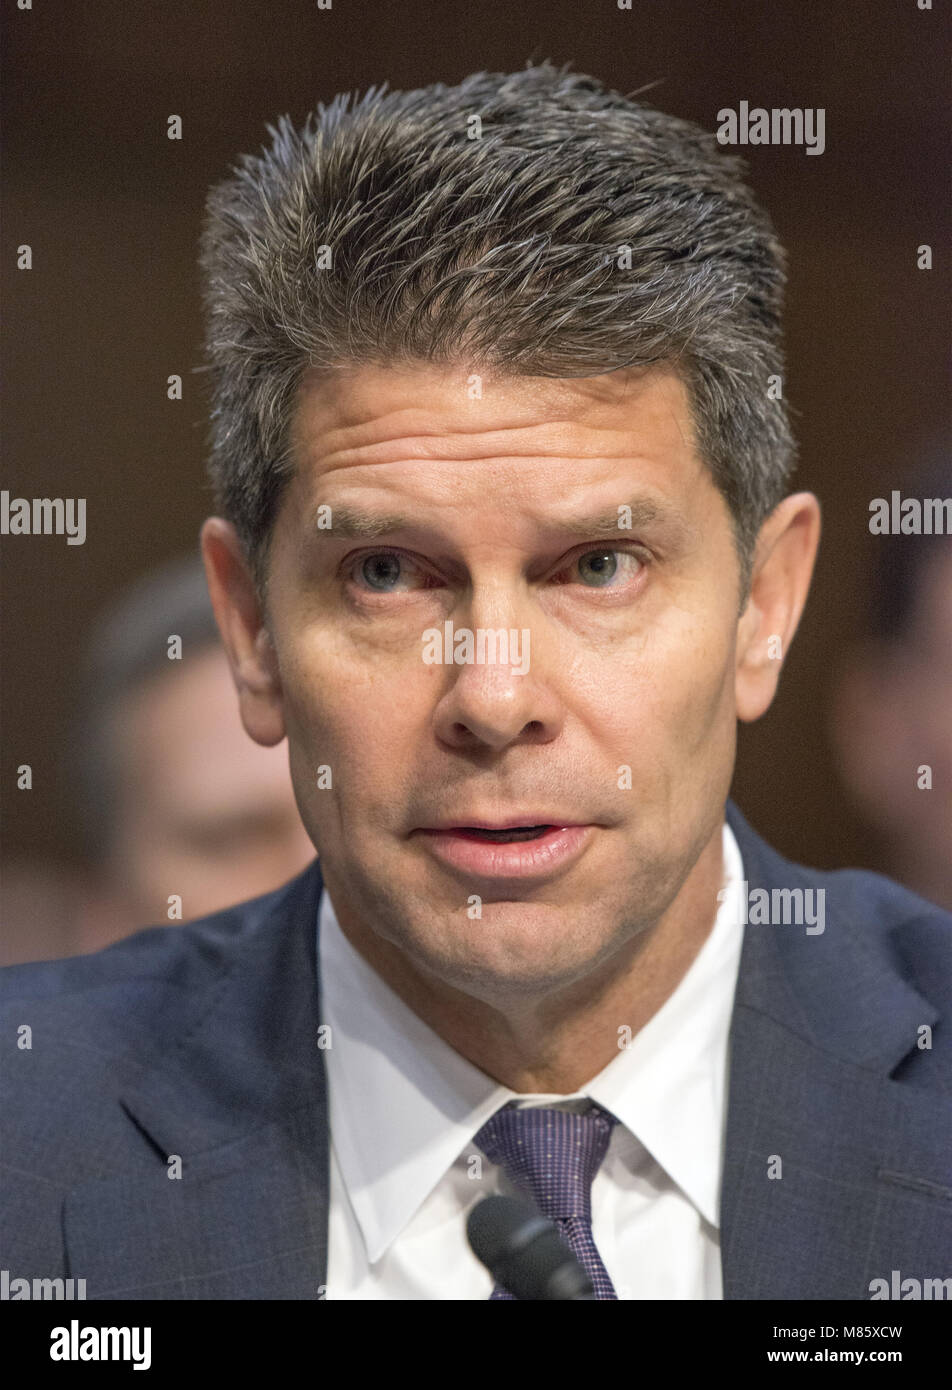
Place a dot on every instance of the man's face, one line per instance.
(502, 512)
(204, 812)
(892, 721)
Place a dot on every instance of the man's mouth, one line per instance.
(502, 837)
(528, 853)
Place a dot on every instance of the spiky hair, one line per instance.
(533, 223)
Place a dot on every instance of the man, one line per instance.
(179, 813)
(892, 733)
(182, 814)
(505, 552)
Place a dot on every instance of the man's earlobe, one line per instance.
(780, 580)
(247, 641)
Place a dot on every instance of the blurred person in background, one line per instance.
(892, 706)
(176, 800)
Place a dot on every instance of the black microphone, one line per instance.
(524, 1252)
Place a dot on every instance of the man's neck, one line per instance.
(557, 1043)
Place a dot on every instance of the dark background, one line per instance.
(112, 210)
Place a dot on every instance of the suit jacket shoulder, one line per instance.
(838, 1166)
(134, 1077)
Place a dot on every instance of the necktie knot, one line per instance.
(551, 1154)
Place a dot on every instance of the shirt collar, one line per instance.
(404, 1104)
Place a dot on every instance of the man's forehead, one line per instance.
(377, 414)
(398, 453)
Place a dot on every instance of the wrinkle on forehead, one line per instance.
(385, 415)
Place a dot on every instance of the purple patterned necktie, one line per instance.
(553, 1155)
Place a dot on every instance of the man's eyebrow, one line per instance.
(349, 523)
(630, 516)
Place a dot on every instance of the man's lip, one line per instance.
(550, 852)
(514, 823)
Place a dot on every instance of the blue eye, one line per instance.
(597, 568)
(388, 572)
(380, 570)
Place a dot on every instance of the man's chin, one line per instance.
(507, 948)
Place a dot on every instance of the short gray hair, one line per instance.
(502, 244)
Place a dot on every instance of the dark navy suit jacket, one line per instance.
(201, 1042)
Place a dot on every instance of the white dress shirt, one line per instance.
(404, 1107)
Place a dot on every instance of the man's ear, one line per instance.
(780, 578)
(248, 644)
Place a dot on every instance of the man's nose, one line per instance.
(502, 690)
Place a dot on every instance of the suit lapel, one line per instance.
(237, 1101)
(832, 1170)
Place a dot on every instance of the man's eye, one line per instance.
(386, 573)
(598, 569)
